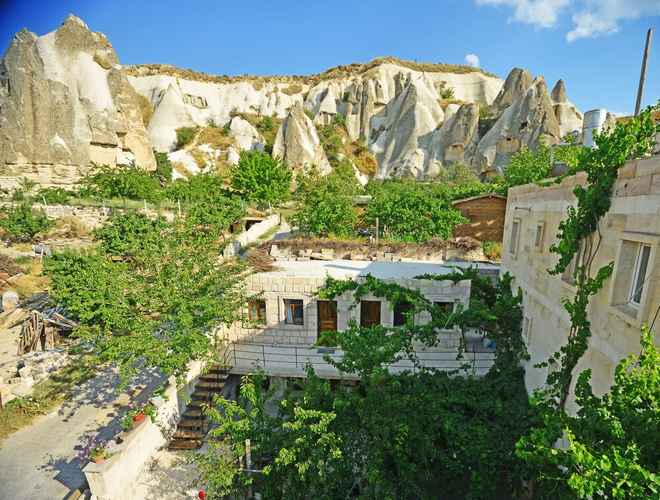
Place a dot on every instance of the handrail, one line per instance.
(292, 358)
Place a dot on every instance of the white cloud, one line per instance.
(591, 18)
(602, 17)
(472, 60)
(542, 13)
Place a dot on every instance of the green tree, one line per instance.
(155, 307)
(411, 211)
(613, 443)
(406, 435)
(326, 206)
(22, 222)
(261, 178)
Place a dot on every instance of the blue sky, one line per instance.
(594, 45)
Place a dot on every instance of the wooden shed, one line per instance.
(486, 213)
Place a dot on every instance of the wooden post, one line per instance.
(377, 231)
(642, 76)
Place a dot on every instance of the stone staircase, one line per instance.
(193, 426)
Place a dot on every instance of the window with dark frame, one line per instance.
(445, 307)
(257, 311)
(369, 313)
(513, 242)
(293, 312)
(402, 311)
(639, 276)
(540, 234)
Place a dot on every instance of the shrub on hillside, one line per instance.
(22, 223)
(184, 136)
(54, 196)
(163, 168)
(260, 178)
(128, 182)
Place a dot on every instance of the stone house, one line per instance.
(630, 297)
(486, 213)
(284, 317)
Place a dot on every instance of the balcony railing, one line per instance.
(287, 360)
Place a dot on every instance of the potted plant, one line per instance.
(98, 454)
(136, 416)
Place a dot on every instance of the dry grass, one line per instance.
(292, 89)
(216, 137)
(70, 227)
(9, 266)
(146, 109)
(31, 282)
(199, 157)
(47, 395)
(362, 158)
(336, 72)
(180, 168)
(258, 85)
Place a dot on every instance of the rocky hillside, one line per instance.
(64, 103)
(415, 119)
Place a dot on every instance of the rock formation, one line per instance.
(525, 122)
(297, 142)
(64, 103)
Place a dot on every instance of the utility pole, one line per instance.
(642, 76)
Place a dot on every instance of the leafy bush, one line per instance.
(261, 178)
(55, 195)
(123, 182)
(410, 211)
(528, 165)
(184, 136)
(23, 223)
(326, 206)
(163, 168)
(129, 233)
(492, 250)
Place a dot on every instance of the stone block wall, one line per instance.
(633, 220)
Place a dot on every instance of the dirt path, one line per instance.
(41, 461)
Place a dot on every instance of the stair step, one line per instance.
(192, 423)
(185, 444)
(202, 396)
(188, 434)
(212, 378)
(193, 413)
(210, 385)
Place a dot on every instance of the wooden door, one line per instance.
(369, 313)
(327, 314)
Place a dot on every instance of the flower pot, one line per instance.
(138, 418)
(98, 459)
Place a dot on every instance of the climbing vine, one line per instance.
(578, 469)
(579, 236)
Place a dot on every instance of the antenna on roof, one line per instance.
(642, 76)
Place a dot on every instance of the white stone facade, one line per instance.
(301, 281)
(630, 236)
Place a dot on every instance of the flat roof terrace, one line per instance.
(351, 269)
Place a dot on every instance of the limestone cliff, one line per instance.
(298, 144)
(64, 103)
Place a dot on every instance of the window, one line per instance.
(513, 243)
(570, 273)
(257, 311)
(369, 313)
(639, 276)
(540, 234)
(527, 329)
(402, 311)
(445, 307)
(293, 312)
